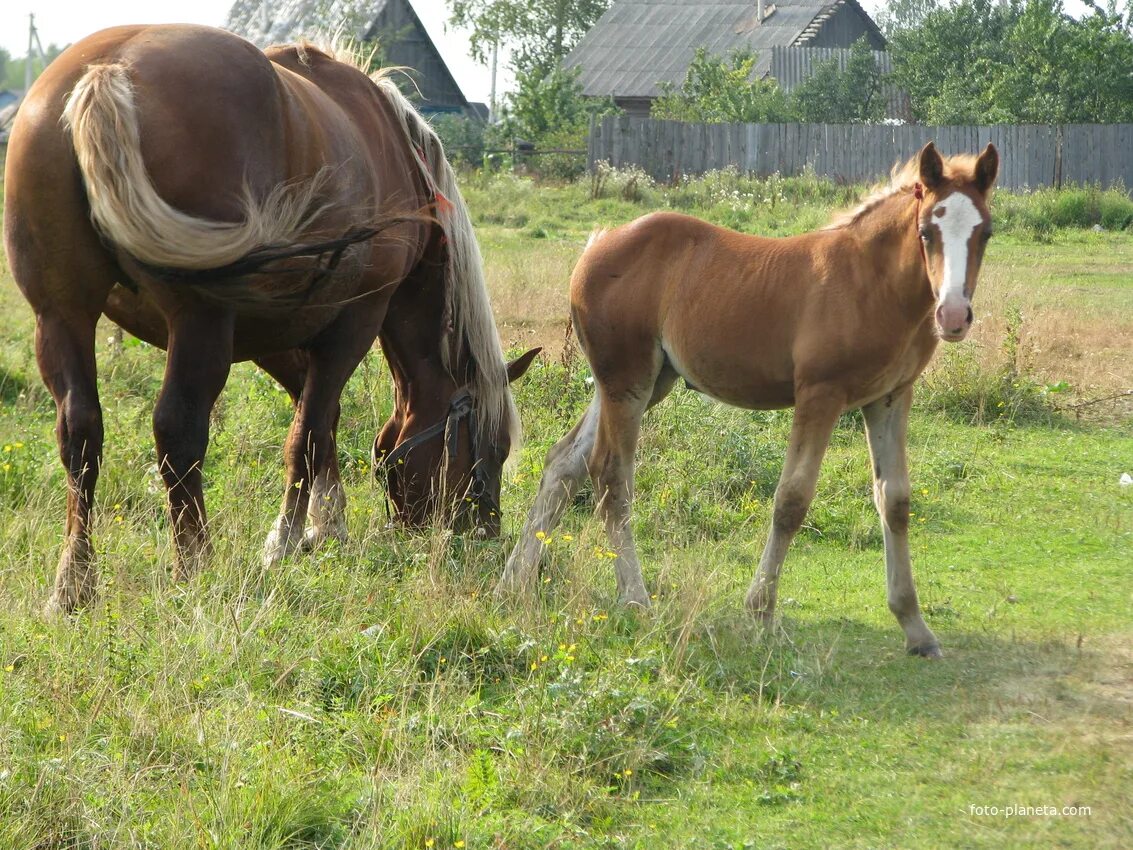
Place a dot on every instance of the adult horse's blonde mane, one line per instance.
(466, 291)
(902, 179)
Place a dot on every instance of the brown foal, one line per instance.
(227, 204)
(846, 317)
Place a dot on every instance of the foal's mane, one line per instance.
(467, 306)
(958, 168)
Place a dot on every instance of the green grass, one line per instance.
(375, 695)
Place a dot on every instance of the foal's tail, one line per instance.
(126, 208)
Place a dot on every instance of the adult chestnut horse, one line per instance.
(846, 317)
(228, 205)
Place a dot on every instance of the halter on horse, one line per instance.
(280, 207)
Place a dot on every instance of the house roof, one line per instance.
(638, 43)
(265, 23)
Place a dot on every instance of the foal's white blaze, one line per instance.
(957, 218)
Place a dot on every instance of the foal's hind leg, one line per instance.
(611, 464)
(815, 416)
(326, 508)
(65, 350)
(563, 473)
(196, 368)
(886, 421)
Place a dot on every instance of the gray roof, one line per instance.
(638, 43)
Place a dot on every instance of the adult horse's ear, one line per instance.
(931, 166)
(987, 168)
(517, 367)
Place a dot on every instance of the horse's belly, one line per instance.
(737, 381)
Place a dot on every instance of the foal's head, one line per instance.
(954, 226)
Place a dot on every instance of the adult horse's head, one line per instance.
(954, 227)
(442, 451)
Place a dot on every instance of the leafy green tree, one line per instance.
(1027, 62)
(721, 90)
(1063, 70)
(899, 15)
(539, 35)
(835, 96)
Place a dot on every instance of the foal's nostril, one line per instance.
(971, 316)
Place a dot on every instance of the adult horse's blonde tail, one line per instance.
(102, 116)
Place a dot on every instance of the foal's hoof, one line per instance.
(514, 588)
(927, 650)
(636, 602)
(56, 609)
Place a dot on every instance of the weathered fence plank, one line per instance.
(1033, 156)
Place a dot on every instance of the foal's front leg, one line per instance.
(815, 416)
(196, 368)
(886, 421)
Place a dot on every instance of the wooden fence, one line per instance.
(1032, 156)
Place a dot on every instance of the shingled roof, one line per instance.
(637, 44)
(394, 23)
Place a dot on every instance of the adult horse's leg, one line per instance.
(64, 347)
(886, 420)
(196, 368)
(310, 450)
(815, 416)
(563, 473)
(66, 275)
(326, 508)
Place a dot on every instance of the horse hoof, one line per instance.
(928, 650)
(54, 609)
(512, 588)
(637, 602)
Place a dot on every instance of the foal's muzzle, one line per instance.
(954, 319)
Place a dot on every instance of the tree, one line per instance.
(721, 90)
(836, 96)
(539, 35)
(900, 15)
(1027, 62)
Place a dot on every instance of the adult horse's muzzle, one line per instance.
(474, 505)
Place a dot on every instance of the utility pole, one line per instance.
(34, 46)
(492, 116)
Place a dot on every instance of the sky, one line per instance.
(65, 21)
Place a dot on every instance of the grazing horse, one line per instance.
(846, 317)
(226, 204)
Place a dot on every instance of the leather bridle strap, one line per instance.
(460, 406)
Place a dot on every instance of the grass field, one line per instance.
(375, 695)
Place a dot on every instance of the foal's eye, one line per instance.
(926, 234)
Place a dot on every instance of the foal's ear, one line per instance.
(931, 166)
(987, 168)
(517, 367)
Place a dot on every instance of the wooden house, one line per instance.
(392, 24)
(639, 44)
